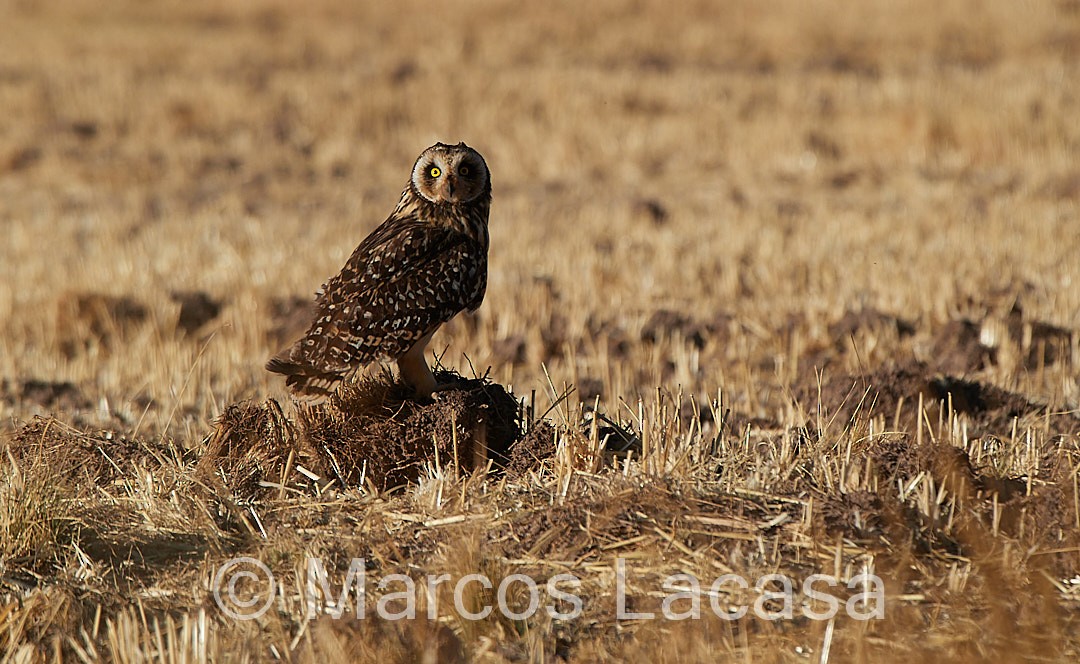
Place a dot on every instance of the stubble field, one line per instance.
(783, 287)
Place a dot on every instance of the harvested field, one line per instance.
(775, 289)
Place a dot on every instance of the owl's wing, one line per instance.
(402, 282)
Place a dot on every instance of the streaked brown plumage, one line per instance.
(423, 265)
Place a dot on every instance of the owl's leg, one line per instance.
(415, 370)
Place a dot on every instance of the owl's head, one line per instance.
(450, 174)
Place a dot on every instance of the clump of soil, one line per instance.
(964, 346)
(197, 308)
(894, 392)
(855, 514)
(958, 348)
(85, 320)
(531, 449)
(980, 399)
(1045, 343)
(372, 432)
(55, 395)
(666, 324)
(868, 318)
(894, 456)
(76, 456)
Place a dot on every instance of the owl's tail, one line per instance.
(308, 385)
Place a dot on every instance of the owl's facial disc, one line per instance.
(450, 174)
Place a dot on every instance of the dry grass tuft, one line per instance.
(252, 445)
(33, 511)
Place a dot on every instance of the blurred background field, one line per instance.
(757, 234)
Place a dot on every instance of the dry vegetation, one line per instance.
(813, 265)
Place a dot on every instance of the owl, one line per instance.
(422, 266)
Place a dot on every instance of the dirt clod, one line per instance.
(957, 349)
(197, 308)
(665, 324)
(86, 320)
(374, 432)
(895, 392)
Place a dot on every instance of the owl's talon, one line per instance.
(437, 393)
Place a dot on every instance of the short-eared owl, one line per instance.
(423, 265)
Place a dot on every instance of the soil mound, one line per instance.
(373, 433)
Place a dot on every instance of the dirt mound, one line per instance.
(55, 395)
(894, 392)
(871, 319)
(857, 514)
(86, 320)
(965, 345)
(89, 320)
(197, 308)
(373, 432)
(667, 324)
(75, 456)
(958, 348)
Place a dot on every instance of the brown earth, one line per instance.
(774, 288)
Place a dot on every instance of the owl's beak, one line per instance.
(450, 187)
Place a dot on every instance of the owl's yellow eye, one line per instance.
(435, 171)
(464, 170)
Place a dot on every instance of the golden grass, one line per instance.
(816, 261)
